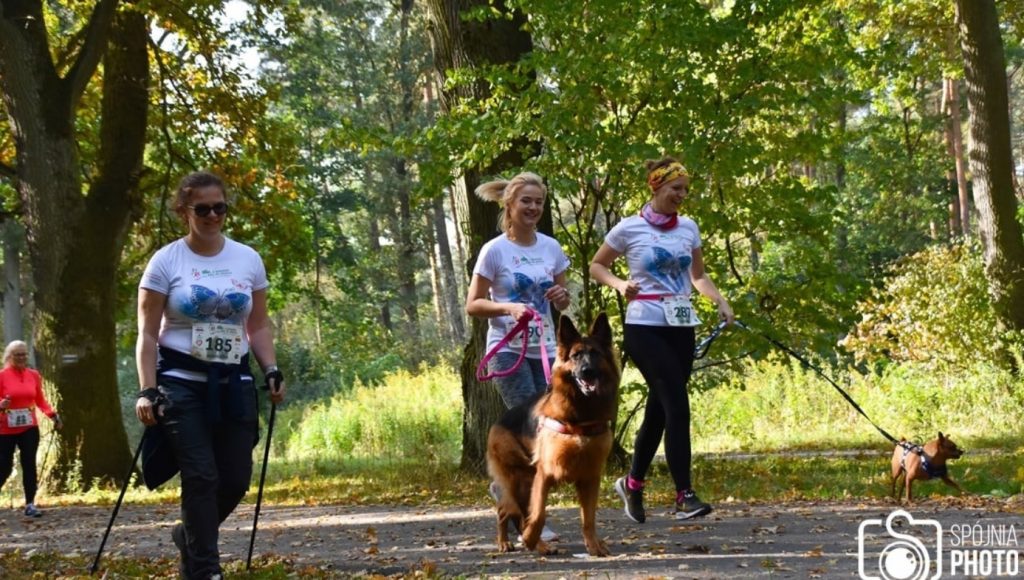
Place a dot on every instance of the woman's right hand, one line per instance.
(5, 403)
(145, 411)
(628, 288)
(517, 310)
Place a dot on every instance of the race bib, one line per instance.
(533, 334)
(20, 418)
(679, 311)
(217, 342)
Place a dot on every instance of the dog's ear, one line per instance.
(567, 335)
(941, 436)
(601, 331)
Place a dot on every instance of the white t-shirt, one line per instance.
(521, 274)
(203, 289)
(659, 261)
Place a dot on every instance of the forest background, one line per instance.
(856, 170)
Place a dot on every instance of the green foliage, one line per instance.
(408, 417)
(933, 308)
(776, 404)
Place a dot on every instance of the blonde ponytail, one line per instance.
(504, 192)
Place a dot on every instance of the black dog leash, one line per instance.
(703, 346)
(808, 364)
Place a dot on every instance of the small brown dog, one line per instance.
(561, 437)
(923, 462)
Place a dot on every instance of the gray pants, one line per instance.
(216, 465)
(520, 386)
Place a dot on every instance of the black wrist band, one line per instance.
(152, 393)
(275, 374)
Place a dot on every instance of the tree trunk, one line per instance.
(406, 254)
(75, 240)
(459, 43)
(378, 281)
(956, 149)
(437, 287)
(14, 241)
(407, 249)
(460, 248)
(991, 158)
(452, 298)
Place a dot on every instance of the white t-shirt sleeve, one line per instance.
(696, 232)
(616, 237)
(157, 276)
(259, 273)
(561, 261)
(488, 263)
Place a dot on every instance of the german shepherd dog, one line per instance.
(561, 437)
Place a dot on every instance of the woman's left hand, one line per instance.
(725, 312)
(275, 384)
(558, 295)
(277, 395)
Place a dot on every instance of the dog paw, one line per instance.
(506, 547)
(597, 548)
(545, 549)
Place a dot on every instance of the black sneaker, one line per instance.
(633, 501)
(31, 511)
(178, 535)
(691, 507)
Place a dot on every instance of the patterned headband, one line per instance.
(663, 175)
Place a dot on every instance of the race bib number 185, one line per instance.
(216, 342)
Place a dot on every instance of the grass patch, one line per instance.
(776, 404)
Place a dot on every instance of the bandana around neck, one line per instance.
(658, 220)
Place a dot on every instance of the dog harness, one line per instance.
(929, 468)
(585, 429)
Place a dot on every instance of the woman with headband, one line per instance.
(663, 253)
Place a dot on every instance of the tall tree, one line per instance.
(459, 44)
(13, 239)
(991, 158)
(76, 231)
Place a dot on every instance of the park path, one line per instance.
(793, 540)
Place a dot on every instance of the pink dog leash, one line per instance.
(521, 327)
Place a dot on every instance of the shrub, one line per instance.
(408, 416)
(933, 308)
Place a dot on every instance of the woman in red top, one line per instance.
(21, 392)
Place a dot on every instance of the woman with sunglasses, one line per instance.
(21, 393)
(202, 310)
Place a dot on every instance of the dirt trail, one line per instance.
(800, 539)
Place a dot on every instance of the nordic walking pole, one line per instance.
(263, 478)
(117, 506)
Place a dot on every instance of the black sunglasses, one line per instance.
(203, 210)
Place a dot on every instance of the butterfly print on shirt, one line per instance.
(208, 305)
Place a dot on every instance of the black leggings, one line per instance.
(27, 443)
(664, 356)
